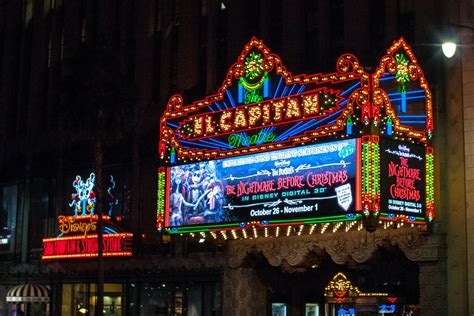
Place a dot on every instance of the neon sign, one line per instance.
(115, 245)
(242, 139)
(278, 111)
(77, 237)
(73, 224)
(259, 94)
(261, 108)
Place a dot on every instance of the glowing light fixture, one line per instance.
(449, 49)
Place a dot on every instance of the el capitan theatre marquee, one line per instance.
(308, 152)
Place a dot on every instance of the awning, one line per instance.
(28, 293)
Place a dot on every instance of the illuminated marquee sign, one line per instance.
(302, 107)
(303, 182)
(214, 175)
(77, 237)
(86, 246)
(262, 107)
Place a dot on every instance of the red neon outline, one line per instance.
(347, 67)
(127, 252)
(381, 100)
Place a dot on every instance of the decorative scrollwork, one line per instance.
(294, 250)
(347, 63)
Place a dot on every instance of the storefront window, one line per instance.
(80, 299)
(157, 299)
(177, 299)
(8, 211)
(312, 309)
(279, 309)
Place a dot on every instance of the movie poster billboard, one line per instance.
(302, 182)
(402, 173)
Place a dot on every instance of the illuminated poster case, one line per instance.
(298, 184)
(270, 148)
(403, 168)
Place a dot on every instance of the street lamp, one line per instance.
(449, 48)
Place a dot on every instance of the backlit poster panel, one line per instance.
(403, 178)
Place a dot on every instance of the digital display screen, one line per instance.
(403, 178)
(303, 182)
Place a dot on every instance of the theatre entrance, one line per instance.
(386, 284)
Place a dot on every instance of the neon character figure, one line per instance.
(84, 199)
(111, 199)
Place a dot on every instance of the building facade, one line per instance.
(63, 60)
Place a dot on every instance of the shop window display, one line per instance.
(80, 299)
(181, 299)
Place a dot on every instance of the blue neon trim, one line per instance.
(266, 88)
(387, 78)
(412, 116)
(302, 88)
(216, 143)
(308, 125)
(413, 122)
(290, 130)
(408, 92)
(172, 125)
(292, 88)
(285, 90)
(213, 140)
(409, 98)
(403, 103)
(231, 98)
(225, 105)
(202, 145)
(240, 91)
(350, 88)
(278, 87)
(109, 229)
(218, 106)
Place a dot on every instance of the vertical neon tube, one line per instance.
(241, 93)
(403, 102)
(389, 126)
(266, 88)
